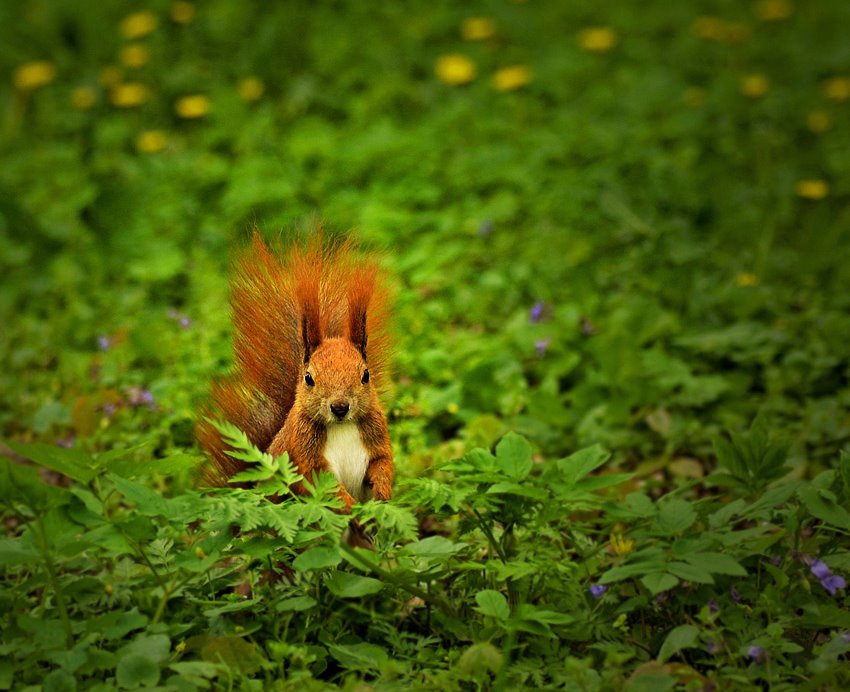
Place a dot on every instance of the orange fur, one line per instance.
(318, 310)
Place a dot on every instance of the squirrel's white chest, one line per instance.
(347, 457)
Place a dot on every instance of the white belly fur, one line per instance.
(347, 457)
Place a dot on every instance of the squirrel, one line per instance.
(311, 350)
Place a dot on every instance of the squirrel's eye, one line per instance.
(365, 377)
(308, 378)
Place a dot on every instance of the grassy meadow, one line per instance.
(618, 237)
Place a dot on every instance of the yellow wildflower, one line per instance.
(194, 106)
(773, 10)
(511, 78)
(837, 88)
(129, 95)
(455, 69)
(754, 86)
(151, 141)
(180, 648)
(812, 189)
(746, 279)
(109, 76)
(818, 122)
(695, 97)
(478, 28)
(135, 55)
(710, 28)
(138, 24)
(33, 75)
(199, 552)
(620, 544)
(251, 89)
(597, 39)
(83, 98)
(182, 12)
(453, 408)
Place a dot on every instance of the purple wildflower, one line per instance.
(820, 569)
(485, 228)
(846, 637)
(185, 321)
(713, 647)
(757, 653)
(733, 592)
(712, 606)
(775, 560)
(537, 312)
(833, 583)
(109, 409)
(104, 342)
(67, 442)
(542, 345)
(596, 590)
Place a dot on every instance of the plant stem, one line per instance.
(54, 580)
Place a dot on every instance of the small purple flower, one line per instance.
(67, 442)
(757, 653)
(776, 560)
(185, 321)
(820, 569)
(104, 342)
(542, 345)
(596, 590)
(833, 583)
(109, 409)
(733, 592)
(713, 647)
(537, 312)
(846, 637)
(712, 606)
(485, 228)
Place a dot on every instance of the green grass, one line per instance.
(622, 359)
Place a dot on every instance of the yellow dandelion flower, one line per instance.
(110, 76)
(33, 75)
(453, 408)
(754, 86)
(83, 98)
(746, 279)
(812, 189)
(773, 10)
(710, 28)
(694, 97)
(151, 141)
(129, 95)
(455, 69)
(135, 55)
(138, 24)
(837, 88)
(597, 39)
(511, 78)
(182, 12)
(194, 106)
(251, 89)
(478, 28)
(818, 122)
(620, 544)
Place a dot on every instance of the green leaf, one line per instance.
(681, 637)
(295, 604)
(135, 670)
(513, 456)
(14, 552)
(824, 507)
(234, 652)
(433, 546)
(576, 466)
(716, 563)
(689, 572)
(148, 502)
(362, 656)
(674, 516)
(59, 681)
(493, 604)
(320, 557)
(657, 582)
(347, 585)
(69, 462)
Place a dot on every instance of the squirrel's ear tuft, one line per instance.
(310, 335)
(360, 292)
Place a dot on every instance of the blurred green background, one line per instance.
(612, 222)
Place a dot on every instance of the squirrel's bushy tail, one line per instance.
(270, 292)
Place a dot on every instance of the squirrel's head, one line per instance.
(335, 386)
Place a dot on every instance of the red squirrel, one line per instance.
(311, 352)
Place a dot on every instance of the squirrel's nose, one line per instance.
(339, 409)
